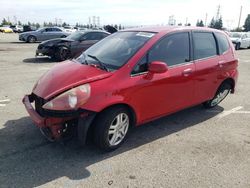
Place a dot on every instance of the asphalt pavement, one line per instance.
(192, 148)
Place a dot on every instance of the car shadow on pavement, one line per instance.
(28, 160)
(38, 60)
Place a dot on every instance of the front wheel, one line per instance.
(111, 128)
(221, 94)
(62, 53)
(237, 46)
(31, 39)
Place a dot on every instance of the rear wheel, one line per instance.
(221, 94)
(111, 128)
(31, 39)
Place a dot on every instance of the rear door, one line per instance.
(207, 60)
(57, 33)
(47, 34)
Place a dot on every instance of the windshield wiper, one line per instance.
(102, 65)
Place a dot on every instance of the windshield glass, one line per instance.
(41, 29)
(115, 50)
(235, 35)
(67, 27)
(75, 36)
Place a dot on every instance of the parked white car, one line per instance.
(69, 29)
(240, 39)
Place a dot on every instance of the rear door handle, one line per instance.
(187, 72)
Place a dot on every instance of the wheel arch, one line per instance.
(230, 81)
(90, 130)
(31, 36)
(127, 106)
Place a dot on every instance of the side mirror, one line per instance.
(157, 67)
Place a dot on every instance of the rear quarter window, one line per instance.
(204, 45)
(222, 42)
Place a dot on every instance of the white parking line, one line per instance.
(228, 112)
(242, 112)
(4, 100)
(225, 113)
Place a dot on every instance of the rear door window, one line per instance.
(222, 42)
(204, 45)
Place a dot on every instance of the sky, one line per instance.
(125, 12)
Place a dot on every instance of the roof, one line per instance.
(166, 29)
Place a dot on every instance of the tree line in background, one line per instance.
(218, 24)
(215, 23)
(51, 24)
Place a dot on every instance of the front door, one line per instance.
(170, 91)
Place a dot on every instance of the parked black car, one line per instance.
(71, 46)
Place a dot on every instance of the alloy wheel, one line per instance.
(118, 129)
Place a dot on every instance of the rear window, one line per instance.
(222, 42)
(204, 45)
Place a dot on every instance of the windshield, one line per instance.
(41, 29)
(115, 50)
(235, 35)
(75, 36)
(68, 27)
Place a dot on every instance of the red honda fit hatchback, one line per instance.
(132, 77)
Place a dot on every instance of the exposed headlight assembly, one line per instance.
(70, 100)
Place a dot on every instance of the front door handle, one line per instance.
(187, 72)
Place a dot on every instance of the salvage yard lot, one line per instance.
(192, 148)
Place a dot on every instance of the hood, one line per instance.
(65, 76)
(233, 39)
(28, 32)
(56, 41)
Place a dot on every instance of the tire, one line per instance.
(220, 95)
(237, 46)
(31, 39)
(111, 128)
(62, 53)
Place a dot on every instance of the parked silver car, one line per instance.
(43, 34)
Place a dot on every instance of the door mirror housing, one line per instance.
(157, 67)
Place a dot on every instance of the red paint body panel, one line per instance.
(65, 76)
(150, 96)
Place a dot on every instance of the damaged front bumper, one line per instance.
(44, 50)
(55, 122)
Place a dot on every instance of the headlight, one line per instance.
(70, 100)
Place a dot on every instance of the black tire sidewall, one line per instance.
(222, 88)
(237, 47)
(102, 125)
(29, 39)
(58, 53)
